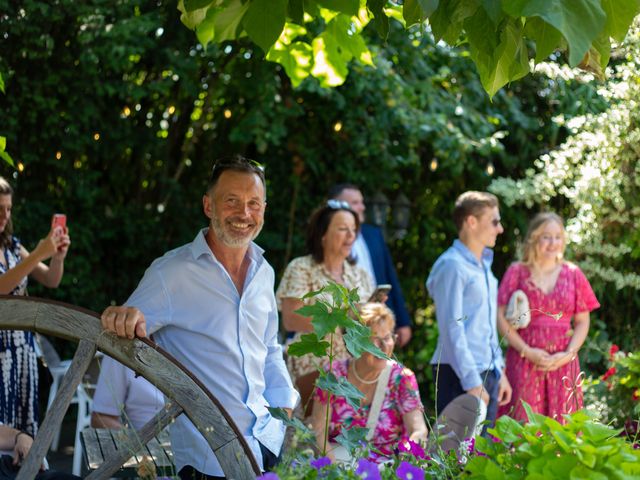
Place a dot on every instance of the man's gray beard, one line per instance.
(229, 240)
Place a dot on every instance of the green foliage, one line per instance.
(543, 448)
(592, 179)
(492, 29)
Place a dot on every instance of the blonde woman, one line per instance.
(542, 360)
(399, 414)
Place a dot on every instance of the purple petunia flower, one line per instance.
(413, 448)
(321, 462)
(368, 470)
(406, 471)
(268, 476)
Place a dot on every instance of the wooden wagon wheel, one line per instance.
(185, 393)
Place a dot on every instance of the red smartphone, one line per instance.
(59, 220)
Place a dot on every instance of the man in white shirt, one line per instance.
(211, 304)
(121, 394)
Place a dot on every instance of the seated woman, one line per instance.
(400, 416)
(14, 447)
(120, 394)
(330, 235)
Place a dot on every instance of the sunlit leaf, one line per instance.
(297, 60)
(227, 21)
(7, 158)
(295, 11)
(340, 387)
(191, 19)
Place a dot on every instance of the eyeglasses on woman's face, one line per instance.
(389, 339)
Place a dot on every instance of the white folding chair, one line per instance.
(82, 396)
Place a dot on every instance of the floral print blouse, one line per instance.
(402, 396)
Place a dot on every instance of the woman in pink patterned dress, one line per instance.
(542, 359)
(401, 415)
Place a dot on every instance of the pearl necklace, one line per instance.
(360, 379)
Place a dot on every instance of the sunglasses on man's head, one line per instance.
(338, 204)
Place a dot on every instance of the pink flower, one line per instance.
(413, 448)
(609, 373)
(613, 350)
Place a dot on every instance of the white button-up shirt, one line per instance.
(228, 341)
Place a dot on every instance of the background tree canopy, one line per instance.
(321, 37)
(115, 114)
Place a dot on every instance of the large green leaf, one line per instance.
(447, 20)
(493, 9)
(544, 35)
(620, 14)
(416, 11)
(340, 387)
(500, 57)
(579, 21)
(205, 31)
(329, 65)
(295, 11)
(7, 158)
(350, 7)
(309, 343)
(358, 340)
(191, 5)
(191, 19)
(264, 21)
(281, 414)
(296, 58)
(227, 21)
(380, 19)
(351, 46)
(352, 438)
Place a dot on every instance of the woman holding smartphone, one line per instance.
(19, 376)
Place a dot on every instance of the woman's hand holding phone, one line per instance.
(380, 294)
(61, 234)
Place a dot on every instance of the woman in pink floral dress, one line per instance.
(401, 416)
(542, 358)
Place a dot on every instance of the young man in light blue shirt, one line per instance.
(211, 304)
(468, 357)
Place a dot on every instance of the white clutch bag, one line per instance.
(518, 313)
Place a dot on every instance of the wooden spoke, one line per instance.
(153, 427)
(84, 354)
(186, 393)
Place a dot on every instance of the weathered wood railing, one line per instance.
(184, 392)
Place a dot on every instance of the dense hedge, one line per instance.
(116, 116)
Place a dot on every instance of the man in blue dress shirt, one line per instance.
(468, 357)
(211, 304)
(372, 254)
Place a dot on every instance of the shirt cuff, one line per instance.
(282, 397)
(472, 379)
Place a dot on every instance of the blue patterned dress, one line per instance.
(19, 364)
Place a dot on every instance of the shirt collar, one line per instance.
(487, 253)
